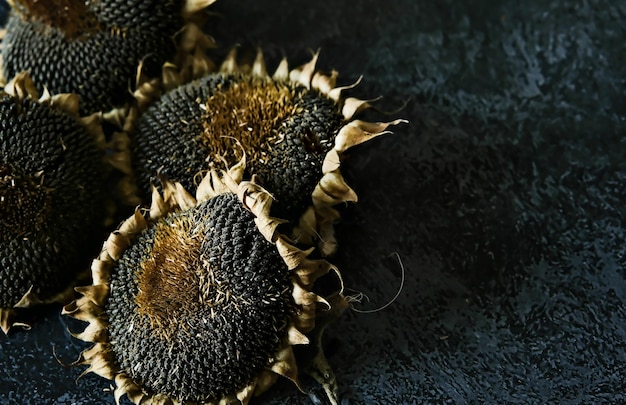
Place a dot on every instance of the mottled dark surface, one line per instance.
(504, 198)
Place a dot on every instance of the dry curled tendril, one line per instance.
(304, 323)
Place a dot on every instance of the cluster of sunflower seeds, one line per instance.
(202, 293)
(63, 63)
(89, 48)
(52, 197)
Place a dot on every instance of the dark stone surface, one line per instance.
(504, 199)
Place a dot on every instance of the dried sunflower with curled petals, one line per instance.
(294, 127)
(51, 197)
(93, 48)
(201, 299)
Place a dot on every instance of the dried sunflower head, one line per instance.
(51, 196)
(293, 127)
(93, 48)
(201, 299)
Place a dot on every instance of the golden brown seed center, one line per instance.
(248, 113)
(24, 203)
(176, 280)
(73, 17)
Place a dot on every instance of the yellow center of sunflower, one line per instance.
(249, 115)
(73, 17)
(176, 280)
(24, 203)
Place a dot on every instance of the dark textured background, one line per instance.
(504, 198)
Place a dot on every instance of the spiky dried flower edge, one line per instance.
(22, 87)
(190, 62)
(316, 224)
(304, 272)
